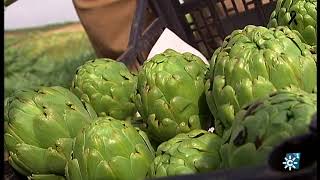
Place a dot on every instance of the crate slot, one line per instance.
(227, 3)
(224, 7)
(198, 18)
(196, 35)
(230, 6)
(220, 12)
(204, 32)
(192, 27)
(263, 2)
(235, 6)
(206, 12)
(251, 6)
(231, 12)
(248, 4)
(210, 21)
(213, 31)
(203, 49)
(240, 6)
(218, 40)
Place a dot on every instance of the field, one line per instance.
(44, 56)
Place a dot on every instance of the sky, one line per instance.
(32, 13)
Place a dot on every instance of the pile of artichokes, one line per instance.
(259, 89)
(299, 15)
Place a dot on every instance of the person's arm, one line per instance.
(107, 23)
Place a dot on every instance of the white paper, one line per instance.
(169, 40)
(211, 129)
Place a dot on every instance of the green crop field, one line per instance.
(45, 56)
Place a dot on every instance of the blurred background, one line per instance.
(44, 43)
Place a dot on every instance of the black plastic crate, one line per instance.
(215, 19)
(212, 21)
(141, 41)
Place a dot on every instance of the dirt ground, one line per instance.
(68, 28)
(74, 27)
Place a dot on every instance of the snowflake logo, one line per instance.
(292, 161)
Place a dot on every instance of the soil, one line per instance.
(68, 28)
(74, 27)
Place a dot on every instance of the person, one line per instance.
(107, 24)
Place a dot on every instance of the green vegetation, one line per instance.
(43, 28)
(45, 56)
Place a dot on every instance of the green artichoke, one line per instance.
(110, 149)
(39, 128)
(252, 63)
(266, 123)
(171, 97)
(108, 86)
(187, 153)
(299, 15)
